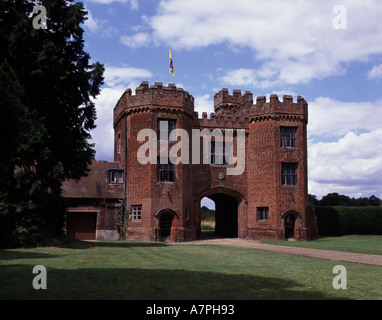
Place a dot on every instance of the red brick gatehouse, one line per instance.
(268, 199)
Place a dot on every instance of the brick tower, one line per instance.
(267, 199)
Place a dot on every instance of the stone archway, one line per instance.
(291, 224)
(165, 224)
(165, 219)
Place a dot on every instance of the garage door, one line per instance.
(82, 225)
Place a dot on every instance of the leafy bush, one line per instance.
(123, 223)
(32, 223)
(340, 220)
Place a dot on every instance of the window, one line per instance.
(288, 137)
(164, 129)
(219, 156)
(119, 144)
(136, 212)
(289, 174)
(166, 172)
(187, 213)
(115, 176)
(262, 213)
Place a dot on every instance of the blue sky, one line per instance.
(330, 55)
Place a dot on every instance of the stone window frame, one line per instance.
(166, 171)
(115, 176)
(262, 213)
(136, 212)
(214, 155)
(288, 137)
(289, 174)
(170, 128)
(119, 144)
(187, 213)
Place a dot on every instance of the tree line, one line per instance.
(335, 199)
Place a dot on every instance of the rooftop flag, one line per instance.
(171, 64)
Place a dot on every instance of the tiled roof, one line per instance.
(96, 184)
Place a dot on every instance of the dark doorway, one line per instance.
(289, 226)
(82, 225)
(226, 215)
(165, 223)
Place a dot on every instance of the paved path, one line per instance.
(362, 258)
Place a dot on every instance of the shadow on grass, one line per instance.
(149, 284)
(78, 244)
(14, 255)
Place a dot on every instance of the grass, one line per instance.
(207, 225)
(144, 270)
(208, 219)
(351, 243)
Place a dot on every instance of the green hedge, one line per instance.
(336, 221)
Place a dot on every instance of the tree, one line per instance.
(374, 201)
(313, 199)
(47, 83)
(335, 199)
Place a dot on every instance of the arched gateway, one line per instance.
(226, 210)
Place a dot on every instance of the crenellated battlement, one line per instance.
(233, 121)
(157, 90)
(241, 105)
(224, 102)
(231, 110)
(286, 108)
(153, 96)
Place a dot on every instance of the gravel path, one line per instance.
(362, 258)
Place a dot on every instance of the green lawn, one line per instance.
(144, 270)
(351, 243)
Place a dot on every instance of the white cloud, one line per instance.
(125, 75)
(137, 40)
(240, 77)
(375, 72)
(107, 1)
(333, 118)
(103, 134)
(134, 5)
(117, 80)
(203, 103)
(352, 165)
(294, 41)
(100, 26)
(92, 24)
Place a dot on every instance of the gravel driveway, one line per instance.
(362, 258)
